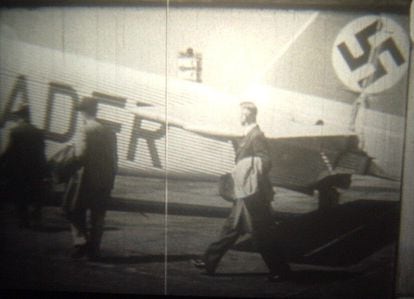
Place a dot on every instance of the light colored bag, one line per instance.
(243, 181)
(226, 187)
(247, 175)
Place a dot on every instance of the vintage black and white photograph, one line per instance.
(212, 148)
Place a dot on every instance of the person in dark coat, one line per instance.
(96, 159)
(25, 168)
(250, 214)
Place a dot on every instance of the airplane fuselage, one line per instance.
(52, 82)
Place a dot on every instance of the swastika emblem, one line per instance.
(371, 54)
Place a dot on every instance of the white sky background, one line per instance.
(236, 44)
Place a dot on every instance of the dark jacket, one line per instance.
(254, 144)
(24, 161)
(93, 167)
(97, 154)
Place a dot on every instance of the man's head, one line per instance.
(88, 107)
(248, 113)
(23, 112)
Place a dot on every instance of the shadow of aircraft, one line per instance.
(317, 276)
(50, 229)
(157, 207)
(140, 259)
(340, 236)
(302, 277)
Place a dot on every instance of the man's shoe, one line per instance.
(278, 277)
(275, 278)
(200, 264)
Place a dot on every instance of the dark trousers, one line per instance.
(27, 196)
(249, 215)
(89, 234)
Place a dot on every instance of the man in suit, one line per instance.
(96, 159)
(24, 166)
(251, 213)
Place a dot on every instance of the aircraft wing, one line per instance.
(210, 131)
(302, 163)
(306, 156)
(303, 155)
(286, 128)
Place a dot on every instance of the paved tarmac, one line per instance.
(148, 252)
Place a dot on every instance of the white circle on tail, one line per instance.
(370, 54)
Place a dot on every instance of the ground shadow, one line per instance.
(341, 236)
(320, 276)
(50, 229)
(244, 274)
(140, 259)
(301, 277)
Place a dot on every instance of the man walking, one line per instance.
(96, 159)
(251, 208)
(24, 166)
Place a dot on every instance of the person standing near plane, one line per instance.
(96, 158)
(251, 206)
(25, 169)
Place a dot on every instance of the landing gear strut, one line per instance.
(327, 188)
